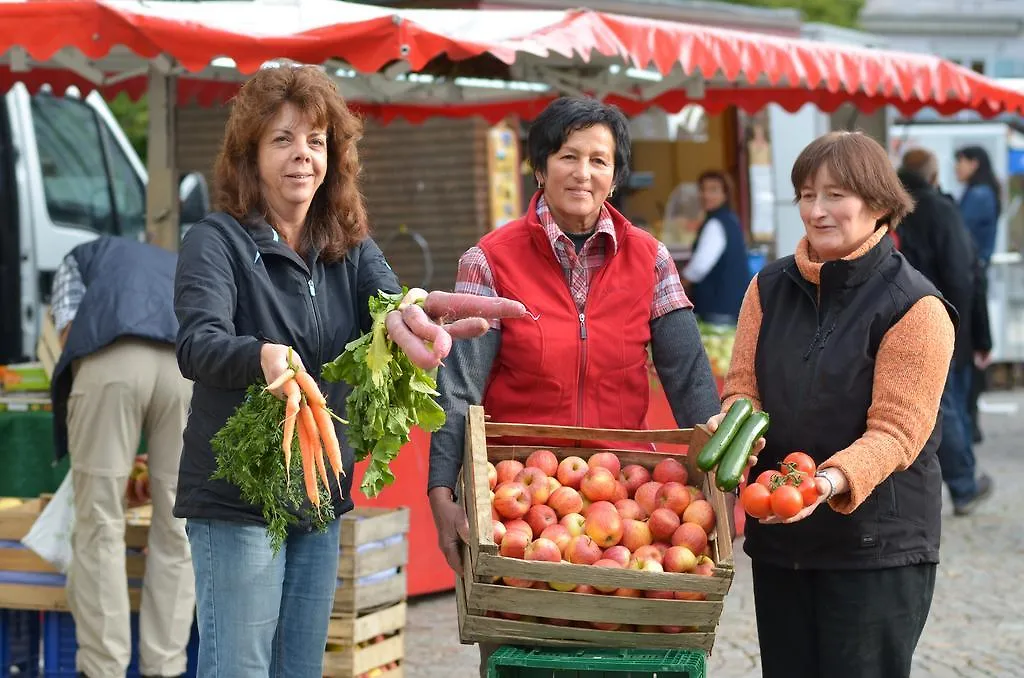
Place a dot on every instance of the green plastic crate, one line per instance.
(515, 662)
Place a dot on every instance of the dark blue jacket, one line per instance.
(980, 211)
(721, 292)
(129, 292)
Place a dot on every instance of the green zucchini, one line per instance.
(734, 461)
(714, 448)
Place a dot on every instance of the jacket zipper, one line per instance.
(583, 370)
(316, 321)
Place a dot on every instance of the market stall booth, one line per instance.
(421, 65)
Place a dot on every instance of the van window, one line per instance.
(87, 180)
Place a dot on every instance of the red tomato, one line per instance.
(787, 502)
(808, 489)
(767, 477)
(802, 461)
(756, 500)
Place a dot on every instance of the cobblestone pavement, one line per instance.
(976, 625)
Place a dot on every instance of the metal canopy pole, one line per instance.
(162, 222)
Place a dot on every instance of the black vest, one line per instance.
(815, 367)
(721, 291)
(129, 292)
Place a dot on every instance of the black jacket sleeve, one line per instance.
(375, 275)
(953, 252)
(981, 331)
(683, 368)
(205, 296)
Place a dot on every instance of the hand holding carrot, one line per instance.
(279, 363)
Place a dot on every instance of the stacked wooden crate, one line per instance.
(367, 632)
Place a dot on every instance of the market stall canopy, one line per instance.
(422, 63)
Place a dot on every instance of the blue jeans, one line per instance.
(261, 615)
(956, 453)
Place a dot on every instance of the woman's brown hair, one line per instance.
(337, 216)
(856, 163)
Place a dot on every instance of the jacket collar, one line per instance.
(610, 221)
(850, 271)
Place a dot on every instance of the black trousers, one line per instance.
(840, 623)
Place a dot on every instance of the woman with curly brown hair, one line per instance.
(286, 262)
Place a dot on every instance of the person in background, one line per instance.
(603, 292)
(116, 382)
(847, 347)
(935, 242)
(981, 206)
(718, 271)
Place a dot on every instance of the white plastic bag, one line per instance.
(50, 536)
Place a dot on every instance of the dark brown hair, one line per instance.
(337, 217)
(859, 164)
(721, 177)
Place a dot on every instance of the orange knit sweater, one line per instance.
(910, 374)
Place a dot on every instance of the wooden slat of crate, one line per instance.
(29, 597)
(367, 524)
(477, 628)
(352, 661)
(15, 523)
(356, 629)
(357, 564)
(351, 596)
(26, 560)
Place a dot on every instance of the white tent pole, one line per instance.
(162, 224)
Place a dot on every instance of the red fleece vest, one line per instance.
(567, 368)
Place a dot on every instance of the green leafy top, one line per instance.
(389, 395)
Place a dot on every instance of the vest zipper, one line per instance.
(316, 321)
(583, 370)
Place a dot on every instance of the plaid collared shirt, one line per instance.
(475, 277)
(68, 290)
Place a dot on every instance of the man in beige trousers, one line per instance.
(117, 381)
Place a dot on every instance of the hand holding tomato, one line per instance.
(787, 495)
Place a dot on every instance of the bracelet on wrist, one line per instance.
(831, 484)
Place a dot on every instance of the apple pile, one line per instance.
(374, 672)
(601, 514)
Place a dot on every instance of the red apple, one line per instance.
(661, 547)
(558, 534)
(507, 470)
(606, 562)
(674, 496)
(581, 550)
(629, 509)
(545, 460)
(635, 533)
(663, 522)
(520, 583)
(553, 485)
(663, 595)
(544, 550)
(499, 531)
(620, 491)
(645, 564)
(606, 626)
(597, 506)
(604, 527)
(633, 476)
(646, 496)
(619, 554)
(540, 517)
(492, 475)
(679, 559)
(670, 470)
(512, 500)
(705, 566)
(585, 588)
(598, 484)
(692, 536)
(606, 459)
(521, 525)
(695, 493)
(575, 523)
(629, 593)
(673, 629)
(571, 471)
(650, 552)
(565, 500)
(700, 512)
(514, 544)
(536, 482)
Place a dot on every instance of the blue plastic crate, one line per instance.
(60, 647)
(19, 642)
(543, 662)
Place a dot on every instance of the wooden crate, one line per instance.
(479, 598)
(373, 560)
(384, 627)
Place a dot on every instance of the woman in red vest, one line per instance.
(603, 293)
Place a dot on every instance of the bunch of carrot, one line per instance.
(307, 414)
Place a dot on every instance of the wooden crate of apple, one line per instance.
(612, 548)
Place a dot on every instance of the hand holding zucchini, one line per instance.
(732, 443)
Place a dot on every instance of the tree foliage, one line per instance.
(837, 12)
(133, 116)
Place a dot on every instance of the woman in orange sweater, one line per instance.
(847, 347)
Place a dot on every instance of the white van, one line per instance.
(67, 175)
